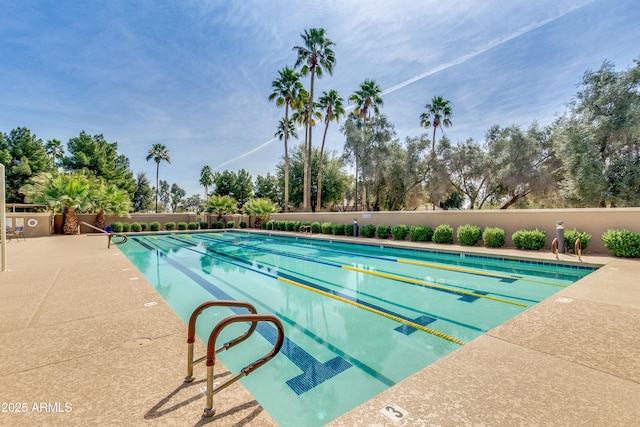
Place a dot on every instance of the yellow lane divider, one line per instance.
(373, 310)
(482, 273)
(430, 285)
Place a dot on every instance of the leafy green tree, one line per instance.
(438, 115)
(599, 139)
(101, 158)
(366, 98)
(27, 157)
(526, 162)
(206, 179)
(158, 153)
(267, 187)
(224, 182)
(62, 192)
(286, 91)
(165, 195)
(316, 56)
(335, 180)
(193, 203)
(143, 197)
(471, 171)
(332, 105)
(177, 196)
(243, 189)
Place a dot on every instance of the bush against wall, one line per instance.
(443, 234)
(368, 231)
(494, 237)
(338, 229)
(154, 226)
(383, 231)
(399, 232)
(327, 228)
(572, 236)
(170, 226)
(622, 243)
(420, 233)
(469, 235)
(136, 227)
(529, 239)
(117, 227)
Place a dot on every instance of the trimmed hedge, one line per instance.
(316, 227)
(348, 230)
(443, 234)
(155, 226)
(383, 231)
(327, 228)
(420, 233)
(216, 225)
(126, 227)
(170, 226)
(469, 235)
(204, 225)
(572, 236)
(231, 224)
(182, 225)
(338, 229)
(529, 239)
(494, 237)
(192, 226)
(368, 230)
(144, 226)
(622, 243)
(117, 227)
(243, 224)
(399, 232)
(136, 227)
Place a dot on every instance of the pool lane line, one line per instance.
(480, 273)
(429, 285)
(375, 311)
(331, 294)
(381, 274)
(419, 263)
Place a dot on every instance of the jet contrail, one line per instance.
(490, 45)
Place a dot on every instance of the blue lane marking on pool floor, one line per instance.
(313, 371)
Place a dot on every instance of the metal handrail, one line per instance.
(554, 248)
(211, 352)
(191, 333)
(108, 233)
(577, 249)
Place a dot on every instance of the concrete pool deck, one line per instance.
(86, 340)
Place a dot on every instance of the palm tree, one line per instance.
(260, 208)
(317, 57)
(109, 199)
(66, 193)
(438, 115)
(366, 98)
(54, 150)
(158, 153)
(206, 179)
(333, 107)
(286, 90)
(221, 205)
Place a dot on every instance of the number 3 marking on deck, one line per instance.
(396, 414)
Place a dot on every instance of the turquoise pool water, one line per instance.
(358, 318)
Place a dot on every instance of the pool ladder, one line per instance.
(210, 357)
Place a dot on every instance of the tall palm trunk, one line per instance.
(307, 186)
(100, 219)
(319, 198)
(286, 158)
(157, 187)
(71, 222)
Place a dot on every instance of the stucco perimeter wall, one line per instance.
(35, 224)
(593, 221)
(138, 217)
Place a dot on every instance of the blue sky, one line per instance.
(195, 75)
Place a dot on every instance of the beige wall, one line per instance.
(35, 224)
(593, 221)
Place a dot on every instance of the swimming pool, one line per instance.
(358, 318)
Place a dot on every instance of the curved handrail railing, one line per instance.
(554, 248)
(577, 249)
(191, 333)
(108, 233)
(211, 353)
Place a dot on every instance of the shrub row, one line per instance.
(136, 227)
